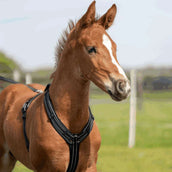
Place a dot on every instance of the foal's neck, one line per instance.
(70, 97)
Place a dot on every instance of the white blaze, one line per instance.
(107, 43)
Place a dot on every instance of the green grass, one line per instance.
(153, 149)
(123, 159)
(20, 168)
(153, 128)
(158, 95)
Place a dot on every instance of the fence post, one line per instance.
(139, 91)
(16, 75)
(132, 121)
(28, 78)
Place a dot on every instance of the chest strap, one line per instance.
(73, 140)
(24, 110)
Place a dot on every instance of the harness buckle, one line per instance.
(25, 107)
(39, 91)
(75, 139)
(75, 136)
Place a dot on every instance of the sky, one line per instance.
(29, 30)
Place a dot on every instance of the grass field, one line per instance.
(153, 149)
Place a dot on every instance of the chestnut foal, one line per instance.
(87, 54)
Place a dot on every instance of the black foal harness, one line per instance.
(73, 140)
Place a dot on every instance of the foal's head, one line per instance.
(94, 53)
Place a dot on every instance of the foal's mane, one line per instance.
(61, 44)
(62, 40)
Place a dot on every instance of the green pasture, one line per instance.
(153, 149)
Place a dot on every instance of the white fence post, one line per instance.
(139, 90)
(132, 122)
(28, 78)
(16, 75)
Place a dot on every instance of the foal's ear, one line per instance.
(88, 18)
(107, 19)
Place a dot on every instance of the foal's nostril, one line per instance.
(120, 86)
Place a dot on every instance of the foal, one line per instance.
(87, 53)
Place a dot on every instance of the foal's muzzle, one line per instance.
(120, 90)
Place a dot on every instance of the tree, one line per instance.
(7, 65)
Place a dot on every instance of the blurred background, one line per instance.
(29, 31)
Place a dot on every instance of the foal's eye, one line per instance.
(91, 50)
